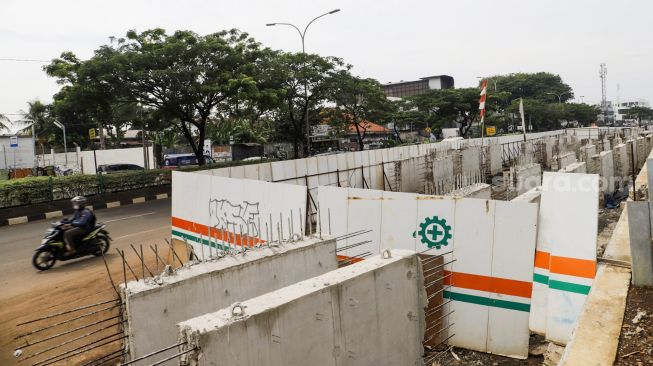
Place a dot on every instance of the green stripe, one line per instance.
(479, 300)
(197, 240)
(541, 278)
(569, 287)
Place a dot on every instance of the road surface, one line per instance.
(25, 293)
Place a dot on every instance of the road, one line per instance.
(26, 292)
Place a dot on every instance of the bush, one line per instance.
(31, 190)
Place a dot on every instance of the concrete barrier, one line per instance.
(154, 308)
(369, 313)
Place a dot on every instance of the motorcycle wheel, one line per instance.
(43, 259)
(103, 246)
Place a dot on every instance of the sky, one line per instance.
(386, 40)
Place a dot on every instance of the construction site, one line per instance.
(510, 250)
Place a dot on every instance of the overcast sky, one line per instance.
(386, 40)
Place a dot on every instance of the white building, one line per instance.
(621, 107)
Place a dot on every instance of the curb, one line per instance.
(98, 206)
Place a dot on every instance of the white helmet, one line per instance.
(79, 201)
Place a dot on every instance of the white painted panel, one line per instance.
(265, 172)
(515, 229)
(290, 173)
(434, 212)
(364, 213)
(323, 170)
(569, 220)
(301, 170)
(333, 169)
(251, 171)
(474, 235)
(399, 220)
(278, 170)
(237, 172)
(333, 202)
(222, 172)
(342, 168)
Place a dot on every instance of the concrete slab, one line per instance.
(153, 308)
(639, 229)
(369, 313)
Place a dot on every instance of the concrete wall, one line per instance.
(562, 160)
(84, 161)
(621, 164)
(586, 152)
(526, 177)
(478, 190)
(532, 196)
(19, 157)
(471, 160)
(154, 308)
(369, 313)
(577, 167)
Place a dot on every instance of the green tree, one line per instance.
(291, 73)
(357, 100)
(542, 86)
(640, 113)
(449, 108)
(4, 122)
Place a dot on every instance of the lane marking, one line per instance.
(130, 217)
(141, 232)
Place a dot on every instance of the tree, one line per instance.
(4, 122)
(542, 86)
(291, 73)
(640, 113)
(445, 107)
(357, 101)
(582, 113)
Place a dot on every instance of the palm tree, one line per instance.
(4, 122)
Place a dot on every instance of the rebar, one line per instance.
(122, 254)
(437, 267)
(67, 332)
(67, 312)
(64, 322)
(109, 273)
(105, 359)
(352, 245)
(79, 350)
(174, 253)
(152, 354)
(173, 356)
(142, 259)
(70, 341)
(350, 235)
(438, 280)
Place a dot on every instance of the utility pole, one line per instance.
(302, 35)
(65, 146)
(603, 72)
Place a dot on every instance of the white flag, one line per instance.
(523, 120)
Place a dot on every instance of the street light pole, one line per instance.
(65, 147)
(559, 96)
(302, 35)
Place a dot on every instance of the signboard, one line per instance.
(207, 148)
(490, 130)
(91, 133)
(13, 141)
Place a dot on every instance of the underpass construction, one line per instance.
(395, 256)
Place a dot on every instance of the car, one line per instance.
(117, 168)
(174, 161)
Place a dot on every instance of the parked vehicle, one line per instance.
(52, 246)
(115, 168)
(174, 161)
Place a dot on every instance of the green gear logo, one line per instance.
(434, 232)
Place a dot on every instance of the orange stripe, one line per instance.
(352, 261)
(490, 284)
(541, 259)
(218, 234)
(573, 266)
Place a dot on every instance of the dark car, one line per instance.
(115, 168)
(173, 161)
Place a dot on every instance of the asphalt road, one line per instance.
(144, 223)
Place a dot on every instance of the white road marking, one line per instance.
(141, 232)
(129, 217)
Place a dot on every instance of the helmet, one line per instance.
(78, 201)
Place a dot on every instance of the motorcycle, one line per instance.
(52, 246)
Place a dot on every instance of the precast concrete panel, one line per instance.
(398, 221)
(237, 172)
(251, 171)
(265, 172)
(332, 161)
(473, 232)
(568, 221)
(363, 213)
(342, 170)
(515, 230)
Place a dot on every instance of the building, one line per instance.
(621, 108)
(410, 88)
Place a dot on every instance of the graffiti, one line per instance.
(236, 217)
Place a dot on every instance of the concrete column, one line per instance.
(639, 228)
(649, 171)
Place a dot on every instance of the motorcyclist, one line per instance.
(80, 225)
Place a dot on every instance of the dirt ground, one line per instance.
(636, 341)
(90, 287)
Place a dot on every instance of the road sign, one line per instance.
(490, 130)
(91, 133)
(13, 141)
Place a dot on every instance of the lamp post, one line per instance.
(558, 95)
(302, 35)
(65, 147)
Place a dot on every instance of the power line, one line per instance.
(23, 60)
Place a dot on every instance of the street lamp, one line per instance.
(302, 35)
(65, 147)
(558, 95)
(32, 124)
